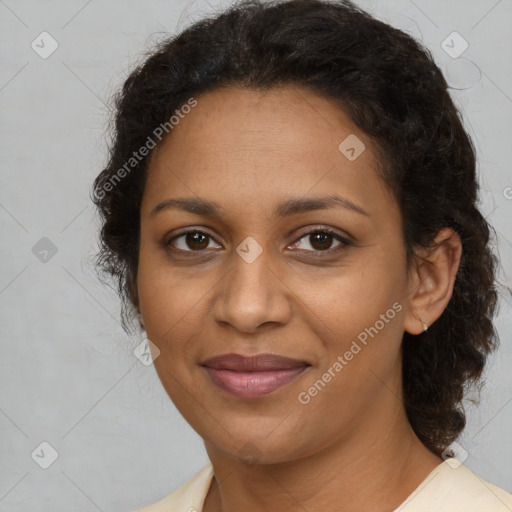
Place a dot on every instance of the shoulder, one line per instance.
(452, 487)
(187, 498)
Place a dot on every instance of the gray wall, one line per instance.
(68, 375)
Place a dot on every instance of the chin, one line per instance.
(252, 448)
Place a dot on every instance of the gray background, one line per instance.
(68, 375)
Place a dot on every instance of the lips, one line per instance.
(255, 375)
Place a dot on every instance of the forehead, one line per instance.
(256, 145)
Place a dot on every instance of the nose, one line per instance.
(252, 295)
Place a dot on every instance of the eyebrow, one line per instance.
(285, 209)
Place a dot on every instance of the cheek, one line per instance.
(359, 319)
(172, 305)
(354, 298)
(173, 313)
(360, 357)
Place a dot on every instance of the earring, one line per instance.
(425, 326)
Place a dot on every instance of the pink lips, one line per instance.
(255, 375)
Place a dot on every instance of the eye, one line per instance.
(190, 241)
(320, 240)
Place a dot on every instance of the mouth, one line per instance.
(255, 375)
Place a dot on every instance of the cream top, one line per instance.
(450, 487)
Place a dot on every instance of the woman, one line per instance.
(290, 208)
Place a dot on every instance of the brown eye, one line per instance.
(197, 241)
(190, 241)
(321, 241)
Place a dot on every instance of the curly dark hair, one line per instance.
(391, 88)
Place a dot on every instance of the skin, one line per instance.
(351, 447)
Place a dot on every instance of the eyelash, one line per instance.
(344, 242)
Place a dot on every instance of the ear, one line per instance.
(431, 280)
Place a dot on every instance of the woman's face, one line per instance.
(261, 276)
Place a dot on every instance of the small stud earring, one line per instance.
(425, 326)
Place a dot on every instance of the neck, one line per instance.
(374, 467)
